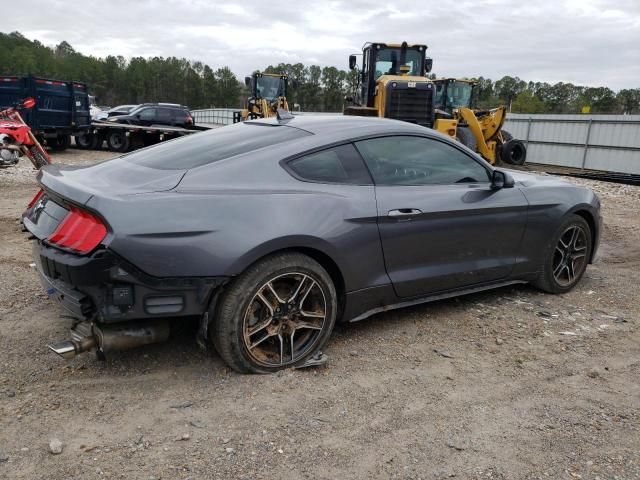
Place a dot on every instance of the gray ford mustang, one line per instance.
(270, 231)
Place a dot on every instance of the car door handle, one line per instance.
(404, 212)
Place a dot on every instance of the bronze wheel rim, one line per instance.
(285, 319)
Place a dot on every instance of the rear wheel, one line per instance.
(60, 143)
(87, 141)
(277, 314)
(567, 256)
(117, 141)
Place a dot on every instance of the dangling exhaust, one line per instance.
(107, 338)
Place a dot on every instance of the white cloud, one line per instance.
(589, 42)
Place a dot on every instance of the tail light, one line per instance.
(35, 199)
(188, 119)
(79, 232)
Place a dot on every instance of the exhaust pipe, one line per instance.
(70, 348)
(86, 337)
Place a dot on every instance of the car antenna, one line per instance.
(283, 114)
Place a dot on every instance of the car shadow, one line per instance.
(181, 351)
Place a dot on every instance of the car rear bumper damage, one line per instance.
(115, 306)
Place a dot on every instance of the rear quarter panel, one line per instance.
(212, 225)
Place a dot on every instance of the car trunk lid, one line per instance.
(65, 186)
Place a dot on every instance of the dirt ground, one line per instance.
(508, 384)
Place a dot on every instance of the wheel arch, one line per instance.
(590, 217)
(317, 249)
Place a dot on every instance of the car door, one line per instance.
(164, 116)
(147, 116)
(441, 224)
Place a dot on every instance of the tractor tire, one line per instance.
(466, 138)
(506, 136)
(513, 152)
(117, 141)
(60, 143)
(87, 141)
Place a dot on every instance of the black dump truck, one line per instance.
(61, 110)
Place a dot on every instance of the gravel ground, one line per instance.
(508, 384)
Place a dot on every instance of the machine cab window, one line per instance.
(389, 61)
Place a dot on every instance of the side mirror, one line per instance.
(428, 64)
(353, 62)
(247, 81)
(501, 179)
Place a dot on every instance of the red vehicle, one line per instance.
(16, 138)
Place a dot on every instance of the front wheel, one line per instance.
(277, 314)
(567, 256)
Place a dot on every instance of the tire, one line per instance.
(513, 152)
(242, 308)
(465, 137)
(117, 141)
(87, 141)
(60, 143)
(506, 136)
(551, 282)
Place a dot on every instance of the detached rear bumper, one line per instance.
(105, 288)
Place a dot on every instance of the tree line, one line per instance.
(115, 80)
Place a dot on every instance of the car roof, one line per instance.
(344, 127)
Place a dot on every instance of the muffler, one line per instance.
(107, 338)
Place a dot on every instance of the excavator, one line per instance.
(393, 84)
(268, 94)
(480, 130)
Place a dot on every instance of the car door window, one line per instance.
(340, 164)
(148, 114)
(164, 115)
(407, 160)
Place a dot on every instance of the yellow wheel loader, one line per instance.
(480, 130)
(393, 83)
(268, 94)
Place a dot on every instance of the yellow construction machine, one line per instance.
(268, 94)
(480, 130)
(393, 83)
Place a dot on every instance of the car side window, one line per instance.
(341, 164)
(407, 160)
(148, 114)
(164, 115)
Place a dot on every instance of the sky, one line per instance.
(585, 42)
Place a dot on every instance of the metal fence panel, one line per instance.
(599, 142)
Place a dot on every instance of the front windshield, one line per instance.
(269, 88)
(459, 94)
(388, 62)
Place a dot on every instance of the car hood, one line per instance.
(112, 178)
(527, 179)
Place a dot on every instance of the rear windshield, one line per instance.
(200, 149)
